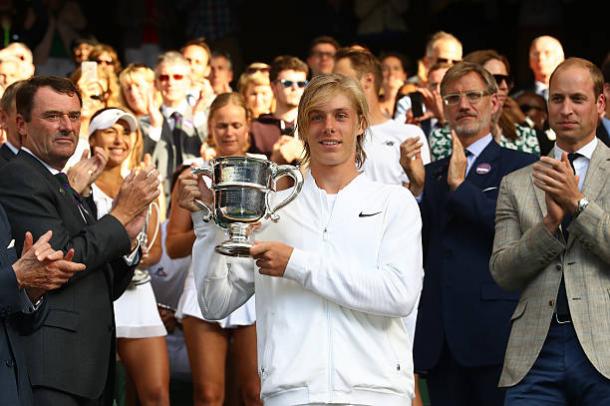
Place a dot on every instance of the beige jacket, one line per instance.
(527, 257)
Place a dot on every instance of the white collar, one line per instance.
(10, 146)
(586, 151)
(477, 147)
(168, 111)
(52, 170)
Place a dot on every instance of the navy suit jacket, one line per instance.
(14, 382)
(5, 155)
(460, 301)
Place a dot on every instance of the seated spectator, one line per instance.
(176, 136)
(256, 90)
(24, 57)
(81, 48)
(393, 67)
(198, 54)
(256, 67)
(441, 47)
(546, 53)
(507, 127)
(322, 52)
(536, 116)
(288, 80)
(424, 106)
(221, 72)
(107, 57)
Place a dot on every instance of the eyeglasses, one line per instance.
(320, 54)
(175, 76)
(507, 79)
(289, 83)
(449, 61)
(473, 97)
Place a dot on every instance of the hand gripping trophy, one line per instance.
(242, 188)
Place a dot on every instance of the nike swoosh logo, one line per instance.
(368, 214)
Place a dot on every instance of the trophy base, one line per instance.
(234, 249)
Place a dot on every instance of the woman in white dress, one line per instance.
(209, 342)
(140, 332)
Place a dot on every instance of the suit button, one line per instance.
(551, 303)
(558, 267)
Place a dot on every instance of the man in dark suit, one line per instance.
(21, 282)
(8, 113)
(464, 317)
(71, 356)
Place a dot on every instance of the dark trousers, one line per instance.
(562, 375)
(451, 384)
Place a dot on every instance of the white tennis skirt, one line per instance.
(245, 315)
(136, 314)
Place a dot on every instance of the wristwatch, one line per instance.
(581, 206)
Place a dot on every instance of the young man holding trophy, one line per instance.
(334, 275)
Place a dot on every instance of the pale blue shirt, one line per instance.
(475, 149)
(581, 163)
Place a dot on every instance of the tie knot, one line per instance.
(177, 119)
(63, 178)
(571, 157)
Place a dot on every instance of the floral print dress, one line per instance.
(440, 142)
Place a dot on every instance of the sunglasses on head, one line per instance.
(289, 83)
(254, 70)
(505, 78)
(175, 76)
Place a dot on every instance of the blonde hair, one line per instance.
(136, 73)
(321, 89)
(254, 79)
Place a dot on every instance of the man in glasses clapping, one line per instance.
(464, 316)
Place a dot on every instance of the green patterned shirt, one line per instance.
(440, 142)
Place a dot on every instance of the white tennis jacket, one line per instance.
(330, 330)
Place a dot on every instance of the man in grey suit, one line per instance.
(174, 135)
(551, 242)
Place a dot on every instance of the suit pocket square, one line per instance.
(11, 244)
(489, 189)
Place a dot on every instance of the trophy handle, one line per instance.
(279, 172)
(209, 211)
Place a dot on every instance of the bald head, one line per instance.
(546, 53)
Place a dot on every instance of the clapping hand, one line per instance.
(412, 164)
(458, 163)
(82, 175)
(41, 268)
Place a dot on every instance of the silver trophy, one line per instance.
(242, 188)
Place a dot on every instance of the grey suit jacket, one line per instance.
(163, 151)
(527, 257)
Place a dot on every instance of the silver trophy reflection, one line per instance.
(242, 188)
